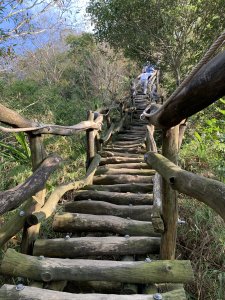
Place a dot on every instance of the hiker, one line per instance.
(143, 81)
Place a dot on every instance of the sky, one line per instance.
(72, 19)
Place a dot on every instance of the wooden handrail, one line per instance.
(209, 191)
(11, 199)
(207, 86)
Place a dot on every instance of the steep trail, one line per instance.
(110, 247)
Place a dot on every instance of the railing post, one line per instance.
(31, 233)
(169, 197)
(90, 136)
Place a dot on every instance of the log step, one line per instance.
(123, 188)
(56, 269)
(137, 166)
(123, 153)
(70, 222)
(117, 179)
(115, 198)
(138, 212)
(96, 246)
(135, 150)
(120, 160)
(9, 292)
(113, 171)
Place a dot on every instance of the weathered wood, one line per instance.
(169, 197)
(69, 222)
(12, 198)
(30, 233)
(94, 286)
(8, 292)
(182, 129)
(120, 159)
(124, 149)
(108, 134)
(199, 93)
(157, 220)
(123, 188)
(95, 246)
(123, 153)
(10, 117)
(209, 191)
(50, 205)
(141, 166)
(138, 212)
(115, 198)
(8, 229)
(128, 144)
(55, 269)
(129, 288)
(55, 129)
(90, 140)
(117, 171)
(125, 178)
(150, 141)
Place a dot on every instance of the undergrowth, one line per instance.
(202, 238)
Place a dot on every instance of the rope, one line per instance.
(204, 60)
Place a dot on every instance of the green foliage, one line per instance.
(19, 151)
(202, 241)
(166, 31)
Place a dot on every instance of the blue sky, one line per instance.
(73, 19)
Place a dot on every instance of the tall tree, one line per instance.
(176, 32)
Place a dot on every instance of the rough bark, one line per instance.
(11, 199)
(138, 212)
(10, 117)
(123, 188)
(120, 160)
(115, 198)
(50, 205)
(199, 93)
(96, 246)
(123, 153)
(169, 197)
(117, 171)
(116, 179)
(69, 222)
(124, 166)
(55, 269)
(30, 233)
(8, 292)
(209, 191)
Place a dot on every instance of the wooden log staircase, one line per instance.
(110, 249)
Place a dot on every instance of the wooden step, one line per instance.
(114, 171)
(121, 179)
(96, 246)
(141, 166)
(70, 222)
(135, 212)
(9, 292)
(124, 154)
(121, 149)
(56, 269)
(123, 188)
(115, 198)
(120, 160)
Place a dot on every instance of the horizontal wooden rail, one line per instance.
(9, 292)
(50, 205)
(54, 269)
(208, 191)
(11, 199)
(57, 129)
(207, 86)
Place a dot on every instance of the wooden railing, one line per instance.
(206, 87)
(31, 194)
